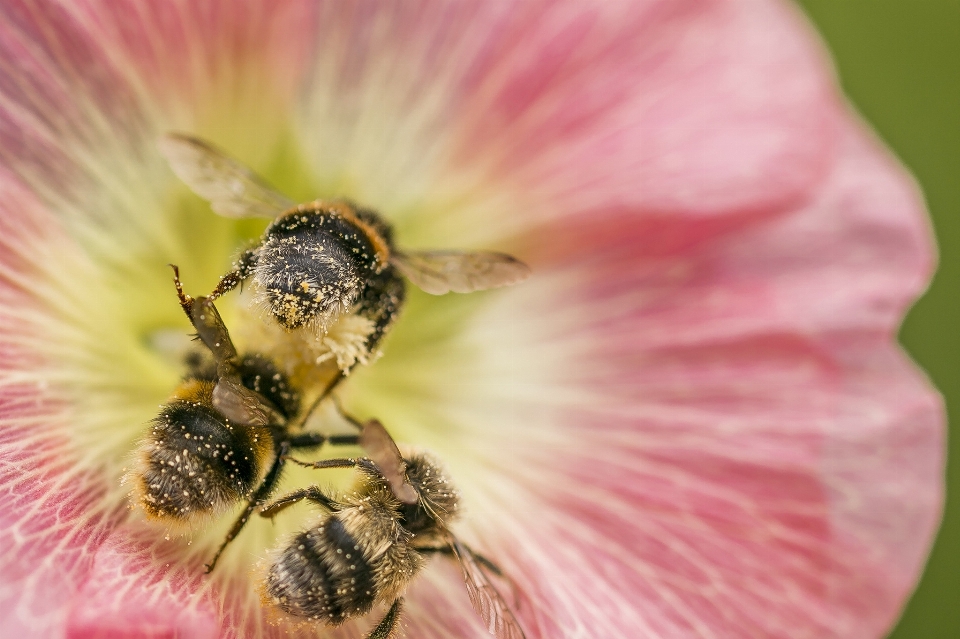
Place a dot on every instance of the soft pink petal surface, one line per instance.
(760, 460)
(131, 592)
(723, 255)
(624, 104)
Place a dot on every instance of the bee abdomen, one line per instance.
(196, 462)
(323, 575)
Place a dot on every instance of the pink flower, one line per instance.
(694, 421)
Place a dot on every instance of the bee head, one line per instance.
(439, 501)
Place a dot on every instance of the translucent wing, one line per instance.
(244, 406)
(486, 600)
(381, 448)
(213, 333)
(439, 272)
(232, 189)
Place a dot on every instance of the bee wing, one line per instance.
(439, 272)
(232, 189)
(383, 451)
(486, 599)
(212, 331)
(242, 405)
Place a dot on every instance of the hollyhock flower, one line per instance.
(694, 420)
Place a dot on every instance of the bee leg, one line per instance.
(388, 624)
(207, 321)
(259, 496)
(186, 302)
(356, 423)
(226, 284)
(242, 270)
(365, 464)
(339, 377)
(326, 463)
(308, 441)
(312, 493)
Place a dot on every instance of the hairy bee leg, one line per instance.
(312, 493)
(393, 474)
(259, 496)
(388, 624)
(234, 278)
(345, 462)
(186, 302)
(339, 377)
(273, 475)
(226, 284)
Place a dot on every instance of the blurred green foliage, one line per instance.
(899, 62)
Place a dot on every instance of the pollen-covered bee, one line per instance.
(319, 260)
(208, 448)
(372, 542)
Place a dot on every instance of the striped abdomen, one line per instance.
(354, 558)
(323, 575)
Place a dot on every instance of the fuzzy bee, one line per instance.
(209, 447)
(373, 541)
(321, 259)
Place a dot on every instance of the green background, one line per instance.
(899, 62)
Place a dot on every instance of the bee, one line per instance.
(208, 447)
(321, 259)
(372, 542)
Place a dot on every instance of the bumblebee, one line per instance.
(321, 259)
(208, 448)
(373, 541)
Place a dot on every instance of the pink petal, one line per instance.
(570, 108)
(130, 592)
(44, 500)
(618, 106)
(194, 59)
(750, 453)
